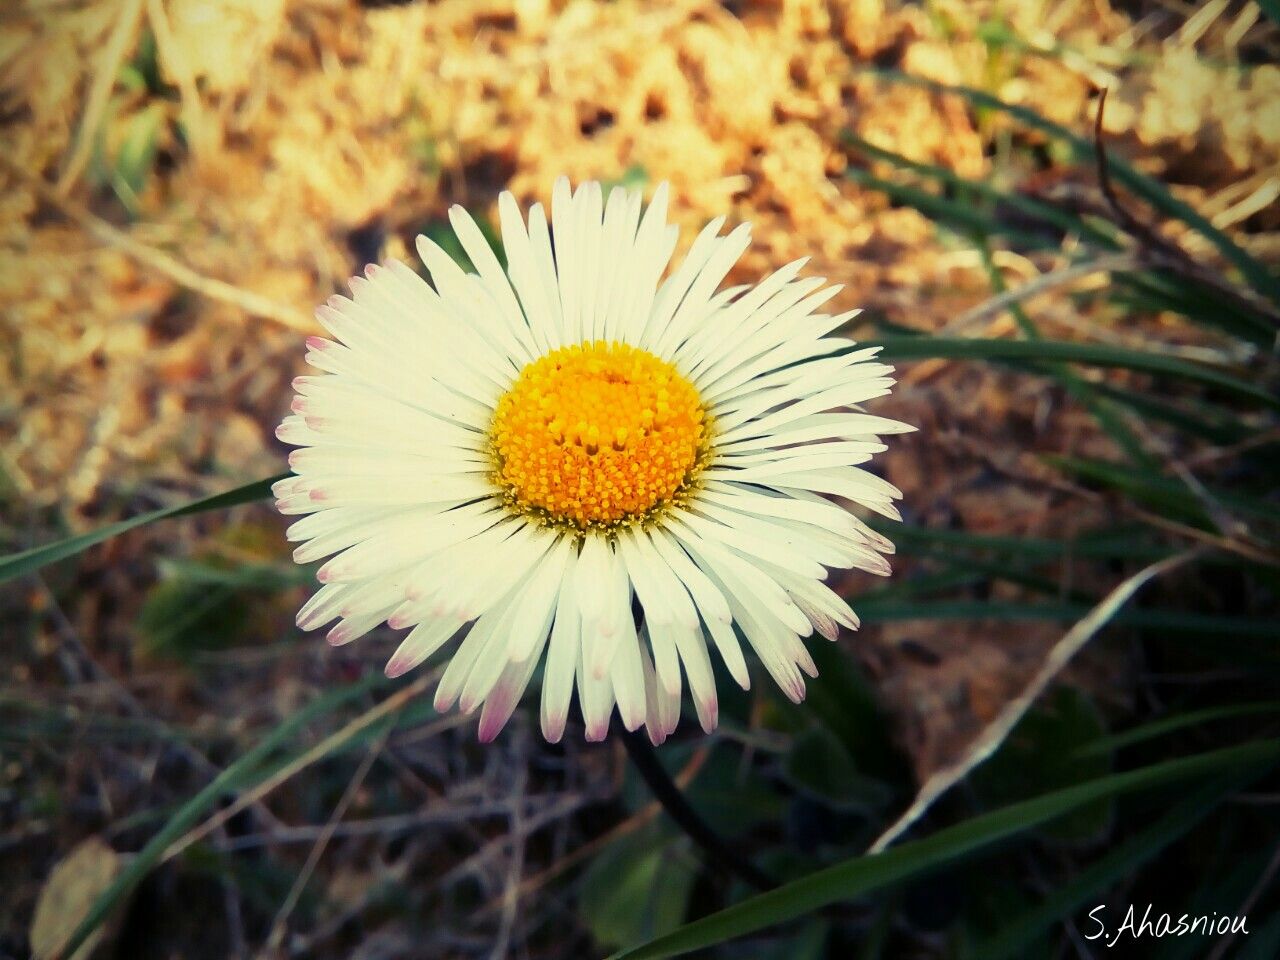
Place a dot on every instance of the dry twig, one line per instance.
(585, 851)
(1043, 283)
(251, 303)
(1158, 250)
(281, 923)
(990, 739)
(388, 707)
(511, 891)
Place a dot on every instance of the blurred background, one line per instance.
(1086, 341)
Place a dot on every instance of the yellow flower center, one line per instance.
(598, 435)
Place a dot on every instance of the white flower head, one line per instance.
(574, 461)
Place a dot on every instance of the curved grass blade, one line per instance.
(244, 771)
(28, 561)
(1164, 290)
(1159, 290)
(1057, 351)
(862, 875)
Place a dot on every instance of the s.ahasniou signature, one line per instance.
(1161, 925)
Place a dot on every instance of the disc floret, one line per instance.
(598, 435)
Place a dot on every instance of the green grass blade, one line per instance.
(1035, 209)
(1126, 544)
(1058, 351)
(1167, 621)
(1014, 939)
(1075, 385)
(28, 561)
(240, 774)
(1216, 426)
(1155, 291)
(1165, 494)
(1148, 188)
(1164, 291)
(963, 218)
(863, 875)
(989, 570)
(1159, 728)
(958, 572)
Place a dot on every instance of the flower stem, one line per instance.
(719, 853)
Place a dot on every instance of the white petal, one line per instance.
(562, 660)
(504, 696)
(692, 647)
(627, 676)
(595, 694)
(538, 604)
(662, 706)
(423, 640)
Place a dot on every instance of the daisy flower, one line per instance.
(575, 462)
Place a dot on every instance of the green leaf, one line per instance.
(847, 706)
(862, 875)
(137, 153)
(723, 797)
(180, 618)
(819, 765)
(1042, 752)
(633, 178)
(28, 561)
(440, 231)
(638, 887)
(205, 605)
(921, 348)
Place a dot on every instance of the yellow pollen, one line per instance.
(597, 435)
